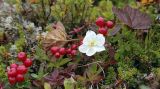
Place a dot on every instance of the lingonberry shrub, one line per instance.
(100, 22)
(17, 72)
(22, 56)
(54, 49)
(110, 24)
(27, 62)
(103, 31)
(103, 26)
(104, 59)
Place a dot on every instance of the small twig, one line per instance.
(72, 40)
(90, 64)
(101, 69)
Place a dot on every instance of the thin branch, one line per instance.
(101, 69)
(90, 64)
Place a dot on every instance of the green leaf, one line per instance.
(144, 87)
(58, 63)
(34, 75)
(40, 54)
(69, 83)
(47, 86)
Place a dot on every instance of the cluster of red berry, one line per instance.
(104, 26)
(16, 72)
(58, 52)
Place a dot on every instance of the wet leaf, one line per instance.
(133, 17)
(56, 37)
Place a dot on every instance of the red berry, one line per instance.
(109, 24)
(21, 69)
(57, 55)
(12, 80)
(73, 52)
(102, 31)
(13, 65)
(74, 46)
(62, 51)
(27, 62)
(20, 78)
(69, 50)
(100, 22)
(22, 56)
(12, 72)
(54, 50)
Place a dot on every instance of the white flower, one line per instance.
(92, 43)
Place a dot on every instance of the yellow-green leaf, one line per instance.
(47, 86)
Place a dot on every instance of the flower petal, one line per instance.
(83, 48)
(91, 52)
(100, 39)
(99, 48)
(89, 36)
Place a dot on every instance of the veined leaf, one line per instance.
(133, 17)
(56, 37)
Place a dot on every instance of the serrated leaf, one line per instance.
(40, 54)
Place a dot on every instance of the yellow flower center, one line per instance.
(92, 43)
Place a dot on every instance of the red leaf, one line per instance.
(116, 29)
(133, 17)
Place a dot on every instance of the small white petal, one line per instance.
(100, 39)
(99, 48)
(83, 48)
(91, 52)
(90, 33)
(89, 36)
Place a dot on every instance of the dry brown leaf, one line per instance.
(56, 37)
